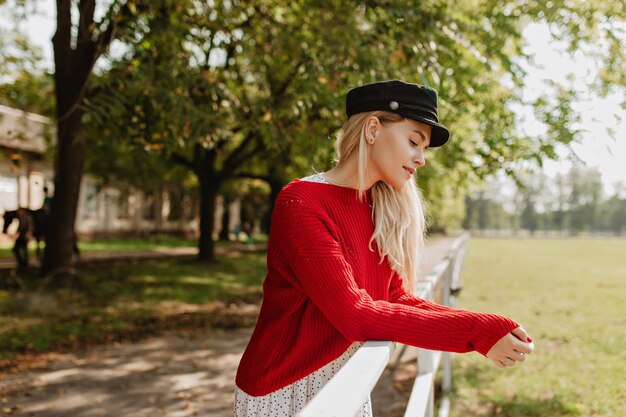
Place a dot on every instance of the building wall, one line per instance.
(110, 211)
(24, 171)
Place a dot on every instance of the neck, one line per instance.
(346, 174)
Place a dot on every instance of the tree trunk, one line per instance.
(224, 233)
(208, 195)
(69, 163)
(72, 70)
(276, 183)
(74, 58)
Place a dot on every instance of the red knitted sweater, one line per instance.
(325, 289)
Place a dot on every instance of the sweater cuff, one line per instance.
(491, 328)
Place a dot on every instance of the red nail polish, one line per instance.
(529, 340)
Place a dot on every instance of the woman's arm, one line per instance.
(321, 271)
(514, 345)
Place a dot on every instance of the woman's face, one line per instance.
(398, 149)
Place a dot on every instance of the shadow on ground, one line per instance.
(166, 376)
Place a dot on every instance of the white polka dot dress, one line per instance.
(316, 178)
(288, 401)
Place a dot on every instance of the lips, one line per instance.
(409, 170)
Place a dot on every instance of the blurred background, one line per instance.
(148, 140)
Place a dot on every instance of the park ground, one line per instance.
(569, 294)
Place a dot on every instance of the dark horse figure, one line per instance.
(40, 218)
(39, 224)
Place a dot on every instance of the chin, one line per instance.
(395, 184)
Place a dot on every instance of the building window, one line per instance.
(149, 206)
(91, 201)
(8, 193)
(176, 205)
(123, 206)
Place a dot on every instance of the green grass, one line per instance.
(103, 301)
(135, 243)
(570, 295)
(131, 243)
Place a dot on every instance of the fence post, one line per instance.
(446, 372)
(425, 365)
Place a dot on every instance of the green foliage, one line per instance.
(484, 213)
(32, 92)
(572, 203)
(23, 82)
(257, 87)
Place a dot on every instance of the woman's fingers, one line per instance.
(511, 348)
(517, 356)
(522, 335)
(498, 363)
(524, 342)
(507, 362)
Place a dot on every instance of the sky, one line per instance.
(596, 148)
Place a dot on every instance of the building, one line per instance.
(26, 167)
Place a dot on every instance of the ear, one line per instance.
(372, 128)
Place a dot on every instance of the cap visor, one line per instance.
(439, 134)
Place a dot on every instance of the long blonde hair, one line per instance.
(398, 215)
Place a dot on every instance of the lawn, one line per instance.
(130, 243)
(571, 297)
(101, 305)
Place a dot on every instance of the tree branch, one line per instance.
(88, 51)
(182, 160)
(234, 158)
(240, 159)
(252, 176)
(86, 9)
(285, 84)
(62, 41)
(208, 52)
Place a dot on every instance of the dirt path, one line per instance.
(171, 375)
(164, 376)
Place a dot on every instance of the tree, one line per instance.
(77, 46)
(24, 84)
(585, 187)
(484, 208)
(261, 108)
(529, 217)
(214, 117)
(616, 215)
(559, 213)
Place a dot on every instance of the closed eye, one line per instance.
(415, 144)
(422, 137)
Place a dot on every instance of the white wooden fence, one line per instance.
(343, 395)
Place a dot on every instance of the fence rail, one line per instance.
(344, 394)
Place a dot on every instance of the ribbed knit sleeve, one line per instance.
(310, 242)
(398, 295)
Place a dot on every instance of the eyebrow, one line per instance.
(421, 133)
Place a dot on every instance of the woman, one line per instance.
(343, 256)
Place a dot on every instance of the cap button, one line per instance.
(393, 105)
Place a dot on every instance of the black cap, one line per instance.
(412, 101)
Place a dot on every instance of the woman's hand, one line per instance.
(512, 347)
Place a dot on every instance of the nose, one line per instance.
(419, 158)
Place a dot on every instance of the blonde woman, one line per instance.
(342, 259)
